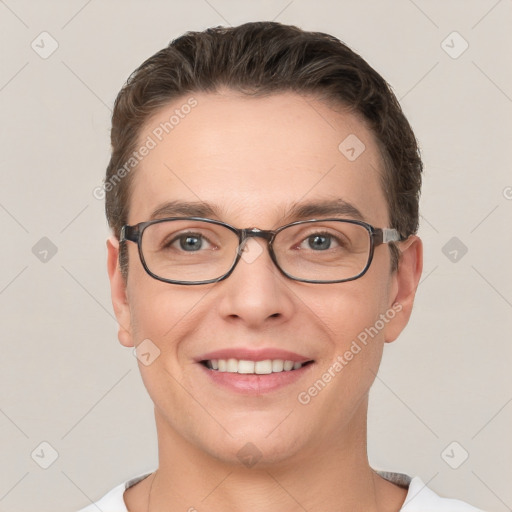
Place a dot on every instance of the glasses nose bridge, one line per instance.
(257, 233)
(268, 235)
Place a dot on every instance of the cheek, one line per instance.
(157, 309)
(162, 313)
(351, 317)
(347, 309)
(161, 318)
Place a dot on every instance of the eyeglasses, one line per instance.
(195, 250)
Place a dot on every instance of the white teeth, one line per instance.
(263, 367)
(252, 367)
(288, 365)
(277, 365)
(245, 366)
(232, 366)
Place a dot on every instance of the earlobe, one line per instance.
(118, 293)
(404, 285)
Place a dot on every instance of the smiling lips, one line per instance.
(254, 372)
(250, 361)
(263, 367)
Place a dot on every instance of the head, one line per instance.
(252, 120)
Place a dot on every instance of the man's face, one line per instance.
(253, 159)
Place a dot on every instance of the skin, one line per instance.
(253, 157)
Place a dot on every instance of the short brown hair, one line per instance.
(261, 58)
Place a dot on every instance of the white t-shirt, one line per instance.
(419, 497)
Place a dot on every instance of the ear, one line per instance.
(404, 283)
(118, 293)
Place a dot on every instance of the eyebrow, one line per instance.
(186, 209)
(297, 211)
(321, 208)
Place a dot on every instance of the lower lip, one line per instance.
(255, 384)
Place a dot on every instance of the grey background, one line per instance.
(66, 381)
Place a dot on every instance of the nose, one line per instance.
(256, 292)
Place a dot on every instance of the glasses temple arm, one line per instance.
(386, 235)
(131, 233)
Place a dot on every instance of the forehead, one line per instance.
(256, 157)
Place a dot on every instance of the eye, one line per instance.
(188, 242)
(321, 241)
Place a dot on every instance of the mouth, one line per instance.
(250, 367)
(254, 371)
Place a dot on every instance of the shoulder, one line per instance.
(422, 499)
(113, 501)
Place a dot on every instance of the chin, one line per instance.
(257, 445)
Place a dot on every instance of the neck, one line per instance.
(326, 475)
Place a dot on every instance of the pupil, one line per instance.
(319, 242)
(190, 242)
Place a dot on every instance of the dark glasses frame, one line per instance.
(378, 236)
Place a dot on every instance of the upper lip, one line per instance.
(251, 354)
